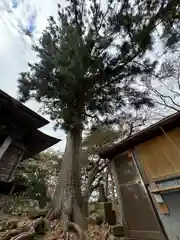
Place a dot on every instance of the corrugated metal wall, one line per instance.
(139, 217)
(171, 221)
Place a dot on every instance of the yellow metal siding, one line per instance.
(161, 155)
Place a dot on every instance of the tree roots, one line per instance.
(77, 229)
(14, 232)
(39, 226)
(26, 235)
(42, 226)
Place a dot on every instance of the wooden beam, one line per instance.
(119, 212)
(5, 146)
(165, 189)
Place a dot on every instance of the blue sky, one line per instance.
(14, 3)
(15, 49)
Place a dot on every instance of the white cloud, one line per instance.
(15, 48)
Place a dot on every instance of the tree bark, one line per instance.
(68, 200)
(107, 182)
(102, 196)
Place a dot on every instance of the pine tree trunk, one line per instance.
(102, 196)
(107, 182)
(85, 207)
(68, 199)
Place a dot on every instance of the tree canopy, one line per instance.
(91, 57)
(90, 61)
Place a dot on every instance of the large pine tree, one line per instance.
(89, 60)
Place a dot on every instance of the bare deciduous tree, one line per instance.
(165, 85)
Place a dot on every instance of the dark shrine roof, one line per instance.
(12, 111)
(152, 131)
(15, 110)
(37, 142)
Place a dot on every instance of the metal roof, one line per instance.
(15, 110)
(154, 130)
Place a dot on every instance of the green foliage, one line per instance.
(94, 140)
(90, 59)
(146, 17)
(35, 173)
(35, 179)
(93, 167)
(102, 136)
(37, 188)
(99, 137)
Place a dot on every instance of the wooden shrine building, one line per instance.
(19, 135)
(147, 174)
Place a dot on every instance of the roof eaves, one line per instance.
(40, 121)
(144, 135)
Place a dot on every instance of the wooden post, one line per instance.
(17, 162)
(5, 146)
(119, 209)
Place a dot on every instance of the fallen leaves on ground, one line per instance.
(21, 227)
